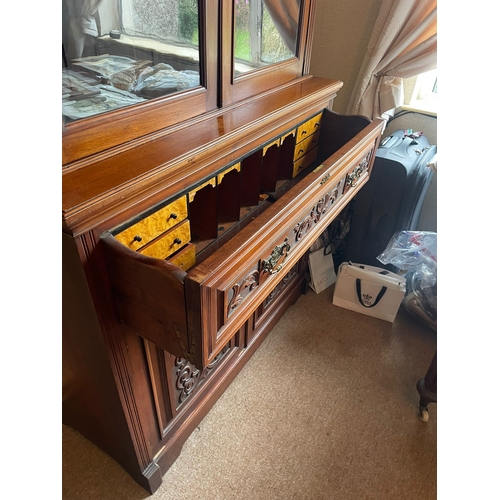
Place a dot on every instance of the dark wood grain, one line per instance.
(149, 296)
(149, 347)
(183, 155)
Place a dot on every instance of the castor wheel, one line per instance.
(423, 413)
(427, 389)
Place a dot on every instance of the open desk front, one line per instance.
(196, 175)
(175, 284)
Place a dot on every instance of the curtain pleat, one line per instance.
(285, 15)
(403, 44)
(82, 23)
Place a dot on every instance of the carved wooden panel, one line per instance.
(187, 378)
(267, 309)
(279, 288)
(242, 289)
(174, 380)
(317, 211)
(362, 168)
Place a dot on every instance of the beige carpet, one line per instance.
(326, 409)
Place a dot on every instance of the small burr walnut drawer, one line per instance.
(304, 162)
(308, 128)
(193, 309)
(306, 145)
(169, 242)
(184, 258)
(141, 233)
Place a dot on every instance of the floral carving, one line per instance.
(279, 287)
(188, 377)
(317, 211)
(352, 178)
(241, 290)
(250, 282)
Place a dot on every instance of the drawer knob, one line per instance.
(137, 238)
(177, 241)
(173, 216)
(275, 263)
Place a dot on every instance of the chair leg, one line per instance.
(427, 388)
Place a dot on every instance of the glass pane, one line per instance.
(265, 33)
(121, 52)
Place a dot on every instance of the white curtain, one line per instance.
(403, 44)
(82, 24)
(285, 14)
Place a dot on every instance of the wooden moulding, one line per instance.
(222, 291)
(145, 172)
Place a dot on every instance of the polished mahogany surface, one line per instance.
(187, 214)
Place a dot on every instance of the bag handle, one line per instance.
(379, 296)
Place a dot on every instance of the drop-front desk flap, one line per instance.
(179, 283)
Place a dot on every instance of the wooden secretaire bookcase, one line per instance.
(200, 162)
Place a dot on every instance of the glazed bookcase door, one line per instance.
(137, 68)
(254, 69)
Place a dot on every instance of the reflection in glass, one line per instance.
(265, 32)
(121, 52)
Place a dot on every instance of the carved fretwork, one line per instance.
(241, 290)
(359, 170)
(188, 377)
(250, 282)
(276, 291)
(317, 211)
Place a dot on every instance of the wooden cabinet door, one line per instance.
(263, 75)
(97, 133)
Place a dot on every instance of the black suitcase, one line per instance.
(392, 198)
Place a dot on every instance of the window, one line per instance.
(260, 40)
(117, 53)
(421, 93)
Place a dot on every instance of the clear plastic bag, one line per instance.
(414, 254)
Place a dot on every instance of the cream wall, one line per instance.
(341, 34)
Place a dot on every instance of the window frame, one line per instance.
(95, 134)
(423, 98)
(245, 85)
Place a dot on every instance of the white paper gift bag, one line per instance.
(369, 290)
(321, 270)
